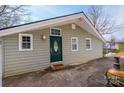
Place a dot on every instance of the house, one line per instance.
(119, 45)
(113, 46)
(68, 39)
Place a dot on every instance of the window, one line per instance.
(88, 43)
(74, 44)
(55, 32)
(25, 42)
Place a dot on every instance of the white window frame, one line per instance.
(76, 43)
(57, 29)
(20, 42)
(90, 44)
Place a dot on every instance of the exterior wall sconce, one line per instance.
(43, 37)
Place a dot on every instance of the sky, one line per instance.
(44, 12)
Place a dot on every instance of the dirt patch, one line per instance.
(88, 74)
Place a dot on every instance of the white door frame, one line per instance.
(1, 61)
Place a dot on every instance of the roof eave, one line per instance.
(49, 22)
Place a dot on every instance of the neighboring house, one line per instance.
(115, 46)
(35, 46)
(119, 45)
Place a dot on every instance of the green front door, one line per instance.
(55, 49)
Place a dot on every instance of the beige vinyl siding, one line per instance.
(17, 62)
(82, 55)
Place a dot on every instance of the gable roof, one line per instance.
(52, 22)
(39, 21)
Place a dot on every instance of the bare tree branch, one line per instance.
(12, 15)
(2, 8)
(102, 22)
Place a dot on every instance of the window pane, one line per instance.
(59, 32)
(88, 44)
(23, 45)
(52, 32)
(26, 42)
(28, 45)
(24, 38)
(74, 46)
(28, 39)
(73, 41)
(55, 32)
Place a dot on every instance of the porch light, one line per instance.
(43, 37)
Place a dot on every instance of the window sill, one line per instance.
(25, 49)
(74, 50)
(88, 49)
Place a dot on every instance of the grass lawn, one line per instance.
(121, 47)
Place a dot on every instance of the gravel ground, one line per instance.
(90, 74)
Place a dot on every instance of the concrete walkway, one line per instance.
(90, 74)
